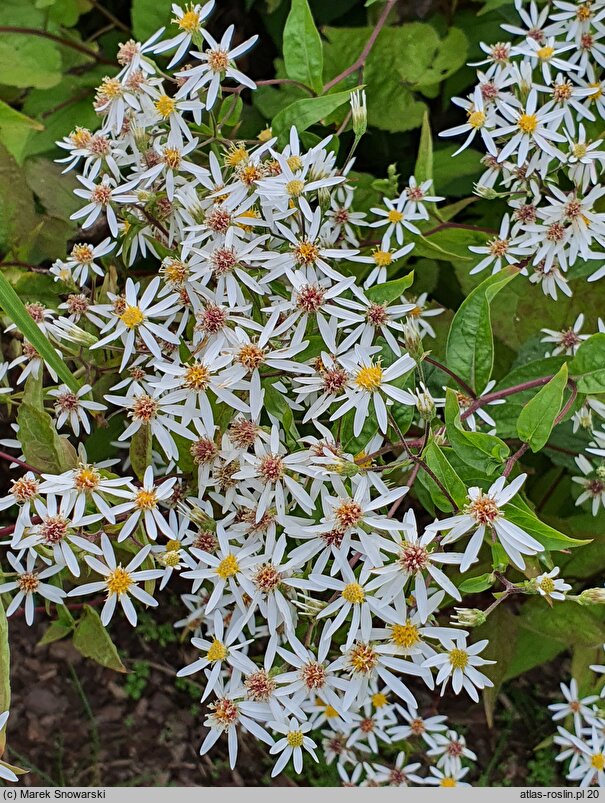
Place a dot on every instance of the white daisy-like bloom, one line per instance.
(501, 250)
(119, 582)
(190, 20)
(447, 779)
(215, 67)
(419, 314)
(459, 663)
(397, 218)
(312, 676)
(100, 197)
(566, 340)
(416, 559)
(531, 127)
(23, 492)
(135, 316)
(483, 514)
(399, 774)
(418, 726)
(344, 220)
(132, 56)
(369, 380)
(71, 407)
(592, 481)
(143, 507)
(86, 484)
(381, 259)
(480, 119)
(57, 531)
(292, 745)
(219, 652)
(590, 768)
(417, 195)
(533, 18)
(551, 280)
(465, 402)
(83, 257)
(227, 713)
(450, 747)
(578, 707)
(5, 773)
(28, 582)
(547, 55)
(597, 447)
(550, 586)
(369, 728)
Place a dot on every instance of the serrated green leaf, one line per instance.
(302, 47)
(477, 449)
(390, 291)
(537, 418)
(307, 111)
(470, 342)
(15, 309)
(140, 450)
(92, 640)
(424, 161)
(43, 447)
(521, 515)
(588, 365)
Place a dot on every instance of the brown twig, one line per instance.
(59, 40)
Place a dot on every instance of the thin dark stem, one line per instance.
(5, 456)
(502, 394)
(59, 40)
(111, 17)
(451, 373)
(361, 60)
(514, 457)
(569, 403)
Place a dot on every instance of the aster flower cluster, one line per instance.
(581, 737)
(258, 376)
(537, 110)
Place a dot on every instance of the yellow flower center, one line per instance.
(118, 581)
(458, 658)
(405, 635)
(132, 316)
(447, 781)
(227, 567)
(579, 150)
(545, 53)
(394, 216)
(598, 761)
(217, 651)
(235, 155)
(295, 738)
(265, 135)
(353, 593)
(369, 377)
(146, 500)
(190, 21)
(379, 700)
(599, 91)
(295, 187)
(382, 258)
(170, 558)
(165, 106)
(197, 376)
(171, 158)
(87, 478)
(476, 119)
(294, 162)
(330, 712)
(547, 585)
(527, 123)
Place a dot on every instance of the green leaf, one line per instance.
(477, 449)
(588, 365)
(92, 640)
(470, 342)
(538, 416)
(521, 515)
(302, 47)
(14, 128)
(55, 632)
(15, 309)
(424, 161)
(149, 15)
(304, 113)
(501, 630)
(140, 450)
(436, 460)
(389, 291)
(43, 447)
(230, 110)
(5, 665)
(475, 585)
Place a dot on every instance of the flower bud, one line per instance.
(468, 617)
(489, 193)
(308, 606)
(64, 329)
(413, 340)
(265, 135)
(359, 112)
(592, 596)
